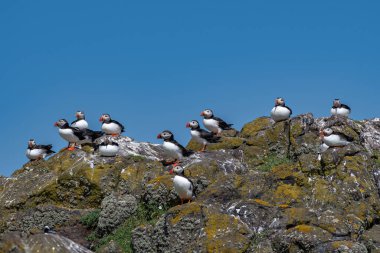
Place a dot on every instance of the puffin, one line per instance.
(172, 147)
(37, 152)
(340, 109)
(280, 111)
(74, 135)
(182, 185)
(214, 124)
(110, 126)
(80, 122)
(200, 135)
(108, 148)
(334, 139)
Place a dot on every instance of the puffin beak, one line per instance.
(56, 124)
(202, 114)
(321, 135)
(187, 124)
(159, 136)
(171, 171)
(101, 119)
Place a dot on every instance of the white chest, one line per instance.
(172, 149)
(111, 128)
(81, 124)
(279, 113)
(68, 135)
(183, 187)
(335, 140)
(197, 137)
(340, 111)
(212, 125)
(108, 150)
(35, 153)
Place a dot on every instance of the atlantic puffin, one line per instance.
(200, 135)
(172, 147)
(340, 109)
(182, 185)
(80, 122)
(74, 135)
(108, 148)
(334, 139)
(37, 152)
(110, 126)
(280, 111)
(214, 124)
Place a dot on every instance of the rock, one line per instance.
(115, 209)
(15, 242)
(267, 188)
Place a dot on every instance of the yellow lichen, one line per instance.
(304, 228)
(185, 210)
(262, 202)
(286, 194)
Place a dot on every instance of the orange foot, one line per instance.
(71, 148)
(114, 135)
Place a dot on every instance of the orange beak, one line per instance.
(159, 136)
(101, 119)
(187, 124)
(202, 114)
(56, 124)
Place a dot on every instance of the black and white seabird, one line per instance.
(37, 152)
(182, 185)
(80, 122)
(74, 135)
(280, 111)
(340, 109)
(334, 139)
(110, 126)
(214, 124)
(200, 135)
(172, 147)
(108, 148)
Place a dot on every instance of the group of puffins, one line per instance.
(78, 133)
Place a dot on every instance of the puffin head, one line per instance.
(166, 135)
(61, 123)
(194, 124)
(105, 118)
(279, 101)
(31, 143)
(178, 170)
(325, 132)
(79, 115)
(207, 113)
(336, 102)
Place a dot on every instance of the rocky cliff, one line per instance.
(267, 188)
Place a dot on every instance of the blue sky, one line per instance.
(154, 65)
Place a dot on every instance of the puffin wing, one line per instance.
(184, 151)
(75, 121)
(119, 124)
(210, 137)
(222, 124)
(345, 107)
(289, 109)
(343, 136)
(81, 134)
(46, 147)
(92, 134)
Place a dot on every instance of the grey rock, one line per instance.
(115, 209)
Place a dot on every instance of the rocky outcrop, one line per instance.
(267, 188)
(114, 211)
(15, 242)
